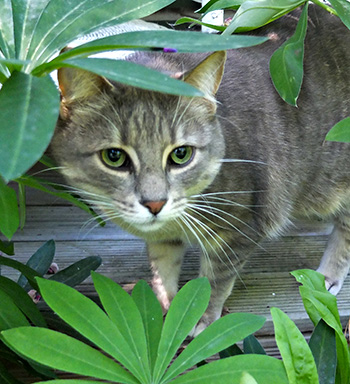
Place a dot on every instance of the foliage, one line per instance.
(17, 307)
(130, 330)
(32, 33)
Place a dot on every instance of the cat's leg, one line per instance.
(336, 259)
(166, 259)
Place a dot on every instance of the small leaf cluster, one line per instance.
(130, 330)
(17, 306)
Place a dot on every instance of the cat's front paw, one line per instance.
(206, 320)
(333, 283)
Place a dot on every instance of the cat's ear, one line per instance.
(77, 84)
(208, 74)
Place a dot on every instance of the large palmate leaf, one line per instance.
(343, 10)
(62, 352)
(65, 20)
(7, 39)
(29, 110)
(286, 64)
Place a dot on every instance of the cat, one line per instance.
(223, 171)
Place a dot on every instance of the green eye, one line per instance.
(181, 155)
(114, 157)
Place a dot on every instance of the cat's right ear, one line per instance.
(77, 84)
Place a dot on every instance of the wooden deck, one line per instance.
(265, 281)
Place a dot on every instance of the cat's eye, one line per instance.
(114, 157)
(181, 156)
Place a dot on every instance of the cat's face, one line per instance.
(137, 155)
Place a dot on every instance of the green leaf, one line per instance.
(311, 279)
(221, 334)
(64, 21)
(40, 261)
(340, 132)
(10, 315)
(233, 350)
(323, 347)
(182, 41)
(22, 204)
(152, 317)
(286, 64)
(252, 345)
(184, 313)
(253, 14)
(9, 216)
(264, 369)
(29, 273)
(70, 381)
(343, 10)
(296, 354)
(133, 74)
(62, 352)
(79, 271)
(122, 310)
(90, 321)
(24, 119)
(7, 247)
(22, 301)
(7, 40)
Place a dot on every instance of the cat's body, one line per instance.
(276, 165)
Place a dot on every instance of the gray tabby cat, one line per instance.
(223, 171)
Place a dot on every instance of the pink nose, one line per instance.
(154, 206)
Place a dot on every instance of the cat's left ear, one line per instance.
(208, 74)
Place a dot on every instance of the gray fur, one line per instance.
(226, 207)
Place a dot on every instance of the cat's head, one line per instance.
(139, 155)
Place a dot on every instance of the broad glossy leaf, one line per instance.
(29, 109)
(133, 74)
(9, 216)
(22, 300)
(252, 345)
(343, 10)
(7, 247)
(62, 352)
(29, 273)
(10, 314)
(296, 354)
(90, 321)
(40, 261)
(77, 272)
(340, 132)
(123, 311)
(323, 346)
(152, 317)
(7, 40)
(264, 369)
(286, 64)
(233, 350)
(253, 14)
(182, 41)
(185, 311)
(221, 334)
(65, 20)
